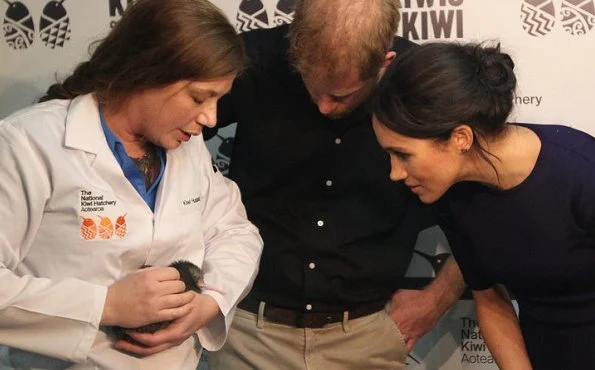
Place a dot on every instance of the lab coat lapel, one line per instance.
(84, 132)
(166, 213)
(172, 219)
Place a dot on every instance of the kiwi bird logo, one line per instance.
(88, 228)
(104, 228)
(18, 28)
(54, 25)
(121, 227)
(252, 15)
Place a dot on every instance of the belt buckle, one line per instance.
(303, 320)
(313, 320)
(300, 321)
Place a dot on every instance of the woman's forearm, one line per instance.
(500, 329)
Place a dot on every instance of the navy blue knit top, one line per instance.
(538, 238)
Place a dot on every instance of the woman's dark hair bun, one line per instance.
(495, 69)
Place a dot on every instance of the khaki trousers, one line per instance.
(371, 342)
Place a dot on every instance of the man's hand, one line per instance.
(204, 309)
(414, 312)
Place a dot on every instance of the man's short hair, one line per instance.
(332, 37)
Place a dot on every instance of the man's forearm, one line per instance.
(448, 285)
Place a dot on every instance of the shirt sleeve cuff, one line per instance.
(212, 336)
(90, 332)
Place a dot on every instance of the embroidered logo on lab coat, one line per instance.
(101, 217)
(104, 229)
(88, 228)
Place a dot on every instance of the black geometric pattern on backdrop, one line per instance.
(252, 15)
(538, 16)
(283, 12)
(223, 157)
(411, 357)
(436, 261)
(578, 16)
(18, 28)
(54, 25)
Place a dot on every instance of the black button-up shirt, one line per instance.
(337, 232)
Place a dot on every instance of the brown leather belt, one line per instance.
(300, 319)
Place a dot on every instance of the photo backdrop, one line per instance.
(551, 41)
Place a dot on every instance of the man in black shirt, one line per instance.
(339, 235)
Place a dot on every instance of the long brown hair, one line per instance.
(156, 43)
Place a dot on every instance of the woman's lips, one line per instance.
(415, 188)
(185, 136)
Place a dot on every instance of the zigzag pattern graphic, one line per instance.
(536, 22)
(246, 22)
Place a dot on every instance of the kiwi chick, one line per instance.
(190, 274)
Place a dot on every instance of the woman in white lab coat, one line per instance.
(111, 173)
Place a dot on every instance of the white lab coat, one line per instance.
(72, 224)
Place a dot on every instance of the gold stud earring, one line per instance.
(464, 150)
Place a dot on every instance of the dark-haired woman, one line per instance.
(111, 173)
(517, 201)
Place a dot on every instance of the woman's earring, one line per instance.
(464, 150)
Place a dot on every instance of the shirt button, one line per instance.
(338, 140)
(329, 183)
(309, 307)
(320, 223)
(312, 265)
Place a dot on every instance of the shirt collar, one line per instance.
(111, 138)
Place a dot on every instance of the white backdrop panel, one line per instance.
(552, 42)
